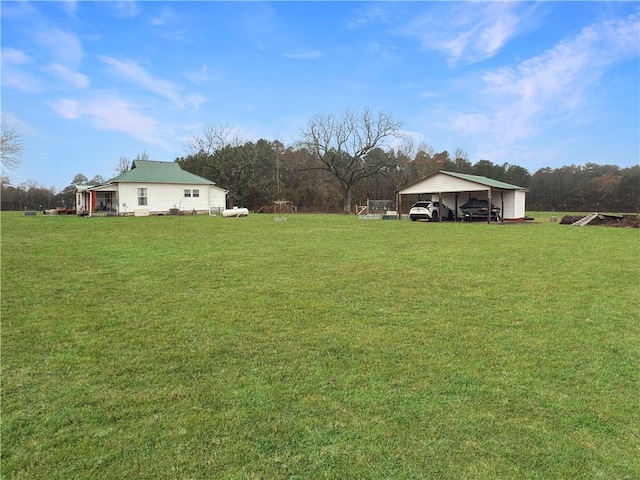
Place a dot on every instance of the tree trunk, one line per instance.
(346, 195)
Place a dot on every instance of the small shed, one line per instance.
(455, 189)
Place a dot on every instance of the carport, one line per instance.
(455, 189)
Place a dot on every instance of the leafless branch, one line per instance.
(214, 138)
(11, 146)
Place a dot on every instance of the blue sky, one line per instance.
(534, 84)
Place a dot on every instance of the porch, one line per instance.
(100, 203)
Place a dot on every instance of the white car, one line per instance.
(428, 210)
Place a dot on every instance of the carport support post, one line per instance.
(489, 216)
(439, 206)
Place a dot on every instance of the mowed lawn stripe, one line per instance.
(317, 347)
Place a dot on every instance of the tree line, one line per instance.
(344, 159)
(271, 172)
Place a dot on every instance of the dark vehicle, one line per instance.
(476, 208)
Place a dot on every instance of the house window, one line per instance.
(142, 196)
(196, 193)
(187, 192)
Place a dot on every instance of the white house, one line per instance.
(455, 189)
(151, 188)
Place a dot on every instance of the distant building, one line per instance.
(457, 189)
(151, 188)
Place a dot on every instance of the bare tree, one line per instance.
(96, 180)
(122, 166)
(11, 146)
(350, 145)
(213, 138)
(461, 159)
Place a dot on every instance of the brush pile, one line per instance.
(628, 221)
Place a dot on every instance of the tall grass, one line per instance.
(318, 347)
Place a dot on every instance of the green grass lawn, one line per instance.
(318, 347)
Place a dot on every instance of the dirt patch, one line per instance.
(628, 221)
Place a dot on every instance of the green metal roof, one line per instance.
(149, 171)
(489, 182)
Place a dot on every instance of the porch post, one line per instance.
(489, 216)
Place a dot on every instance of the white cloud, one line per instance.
(75, 79)
(371, 13)
(17, 10)
(553, 87)
(71, 7)
(204, 75)
(164, 17)
(63, 47)
(125, 9)
(11, 55)
(407, 138)
(468, 32)
(305, 55)
(21, 81)
(132, 72)
(201, 76)
(13, 73)
(109, 112)
(23, 127)
(67, 108)
(195, 100)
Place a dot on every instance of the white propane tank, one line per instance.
(235, 212)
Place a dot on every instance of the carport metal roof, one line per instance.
(453, 182)
(481, 183)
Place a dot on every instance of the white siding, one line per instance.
(514, 205)
(163, 197)
(218, 198)
(443, 183)
(127, 198)
(519, 204)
